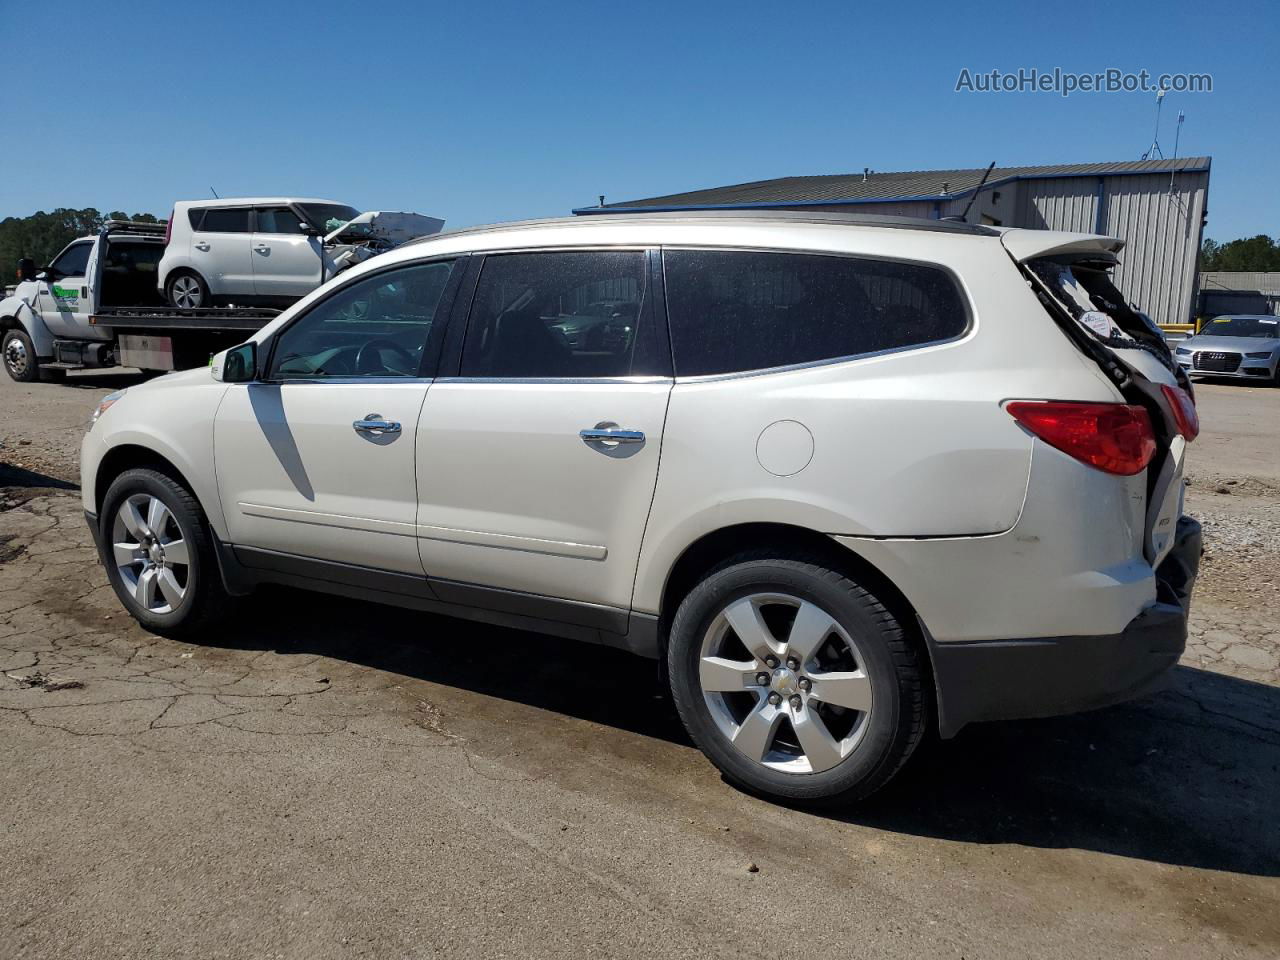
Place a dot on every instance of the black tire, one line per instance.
(179, 278)
(894, 726)
(20, 360)
(205, 599)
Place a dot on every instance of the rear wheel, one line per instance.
(795, 681)
(20, 360)
(186, 289)
(159, 554)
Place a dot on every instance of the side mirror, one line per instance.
(237, 365)
(307, 229)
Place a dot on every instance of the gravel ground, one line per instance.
(336, 779)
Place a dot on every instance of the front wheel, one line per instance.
(159, 554)
(20, 360)
(795, 681)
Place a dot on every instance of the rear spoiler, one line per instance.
(1024, 245)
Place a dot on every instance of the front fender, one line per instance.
(14, 311)
(179, 428)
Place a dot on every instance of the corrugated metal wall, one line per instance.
(1160, 227)
(1067, 203)
(1159, 218)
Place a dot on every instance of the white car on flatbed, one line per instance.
(847, 478)
(102, 301)
(270, 251)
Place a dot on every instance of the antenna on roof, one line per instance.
(976, 190)
(215, 193)
(1154, 150)
(865, 171)
(1177, 133)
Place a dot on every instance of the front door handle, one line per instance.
(373, 423)
(611, 435)
(262, 248)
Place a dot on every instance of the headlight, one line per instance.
(104, 405)
(1182, 351)
(1262, 355)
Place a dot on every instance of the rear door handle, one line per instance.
(202, 246)
(374, 423)
(611, 434)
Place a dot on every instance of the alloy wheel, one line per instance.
(150, 553)
(785, 684)
(186, 291)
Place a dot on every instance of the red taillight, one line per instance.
(1114, 437)
(168, 229)
(1184, 412)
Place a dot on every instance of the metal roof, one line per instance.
(881, 187)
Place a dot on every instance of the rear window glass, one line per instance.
(224, 220)
(734, 311)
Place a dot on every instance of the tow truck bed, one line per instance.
(164, 319)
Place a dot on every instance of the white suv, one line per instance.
(846, 478)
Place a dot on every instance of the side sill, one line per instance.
(243, 568)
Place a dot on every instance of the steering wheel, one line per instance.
(369, 357)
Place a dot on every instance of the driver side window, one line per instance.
(379, 326)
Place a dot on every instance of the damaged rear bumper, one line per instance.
(1049, 676)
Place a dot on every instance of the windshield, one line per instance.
(328, 217)
(1263, 328)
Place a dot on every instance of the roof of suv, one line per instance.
(755, 216)
(250, 201)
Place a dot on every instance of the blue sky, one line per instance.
(478, 112)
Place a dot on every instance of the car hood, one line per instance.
(178, 378)
(1232, 344)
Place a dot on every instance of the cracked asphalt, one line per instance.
(337, 779)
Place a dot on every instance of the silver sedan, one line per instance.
(1243, 346)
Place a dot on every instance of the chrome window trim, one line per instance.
(559, 380)
(969, 330)
(347, 380)
(852, 358)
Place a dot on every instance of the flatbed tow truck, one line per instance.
(97, 305)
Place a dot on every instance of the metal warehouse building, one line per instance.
(1157, 206)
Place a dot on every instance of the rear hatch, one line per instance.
(1071, 274)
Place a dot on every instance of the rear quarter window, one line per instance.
(737, 311)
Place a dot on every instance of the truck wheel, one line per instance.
(796, 681)
(186, 289)
(20, 360)
(156, 546)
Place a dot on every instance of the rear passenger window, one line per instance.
(564, 315)
(736, 311)
(223, 220)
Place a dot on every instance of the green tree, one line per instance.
(1248, 254)
(41, 235)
